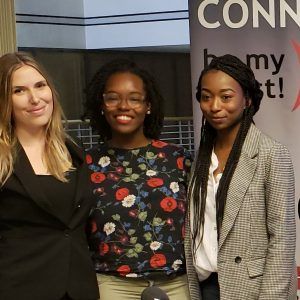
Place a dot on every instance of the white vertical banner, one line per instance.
(265, 34)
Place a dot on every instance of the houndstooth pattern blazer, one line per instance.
(256, 257)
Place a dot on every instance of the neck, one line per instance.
(31, 138)
(225, 138)
(128, 141)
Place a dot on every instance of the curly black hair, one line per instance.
(94, 98)
(235, 68)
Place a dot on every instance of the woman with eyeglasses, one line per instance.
(136, 230)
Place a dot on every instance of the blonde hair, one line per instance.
(56, 155)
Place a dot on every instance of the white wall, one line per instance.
(39, 35)
(72, 8)
(166, 25)
(138, 34)
(50, 36)
(114, 7)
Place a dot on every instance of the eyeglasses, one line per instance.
(133, 100)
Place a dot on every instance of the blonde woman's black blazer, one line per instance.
(41, 256)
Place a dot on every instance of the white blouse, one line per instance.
(205, 260)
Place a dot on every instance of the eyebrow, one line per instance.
(113, 92)
(222, 90)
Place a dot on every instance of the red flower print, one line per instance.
(124, 270)
(88, 159)
(93, 226)
(161, 155)
(180, 163)
(168, 204)
(122, 193)
(155, 182)
(97, 177)
(103, 248)
(159, 144)
(157, 260)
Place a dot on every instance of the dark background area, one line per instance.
(71, 70)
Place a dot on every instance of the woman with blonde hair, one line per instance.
(44, 195)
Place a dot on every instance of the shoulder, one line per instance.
(174, 148)
(176, 153)
(271, 145)
(99, 148)
(270, 152)
(95, 153)
(75, 149)
(257, 141)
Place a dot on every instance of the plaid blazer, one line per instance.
(256, 257)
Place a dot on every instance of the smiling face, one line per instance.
(126, 115)
(32, 101)
(222, 101)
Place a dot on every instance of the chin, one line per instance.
(124, 129)
(40, 123)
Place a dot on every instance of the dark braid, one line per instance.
(199, 178)
(231, 164)
(235, 68)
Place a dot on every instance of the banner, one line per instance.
(265, 34)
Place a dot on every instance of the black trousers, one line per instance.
(210, 289)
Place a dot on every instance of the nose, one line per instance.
(33, 97)
(124, 104)
(215, 105)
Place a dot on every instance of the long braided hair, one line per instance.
(235, 68)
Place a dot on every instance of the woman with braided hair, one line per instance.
(242, 207)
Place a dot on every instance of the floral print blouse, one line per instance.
(137, 226)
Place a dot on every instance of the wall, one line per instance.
(93, 24)
(35, 29)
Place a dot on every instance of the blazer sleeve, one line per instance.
(281, 225)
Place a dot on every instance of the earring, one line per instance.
(102, 112)
(148, 112)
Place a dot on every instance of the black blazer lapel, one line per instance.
(25, 173)
(82, 172)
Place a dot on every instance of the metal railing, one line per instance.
(177, 130)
